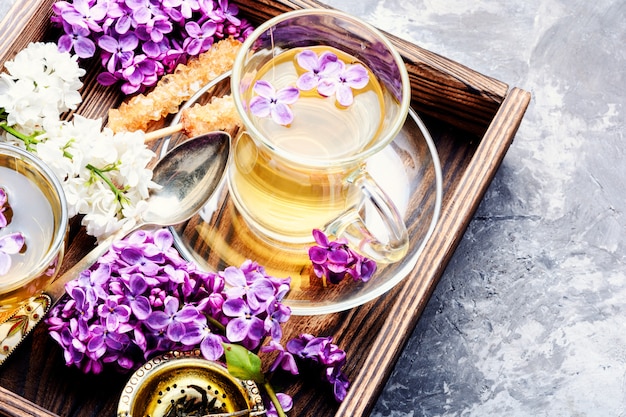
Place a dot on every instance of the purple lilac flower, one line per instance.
(141, 72)
(212, 346)
(200, 37)
(135, 290)
(272, 103)
(318, 68)
(245, 326)
(168, 32)
(331, 76)
(257, 289)
(141, 299)
(226, 12)
(84, 14)
(120, 50)
(277, 314)
(321, 350)
(284, 360)
(334, 260)
(119, 18)
(144, 12)
(156, 50)
(350, 77)
(114, 312)
(155, 30)
(76, 38)
(286, 403)
(9, 245)
(180, 10)
(174, 56)
(173, 319)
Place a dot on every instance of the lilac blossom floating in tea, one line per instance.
(9, 245)
(331, 76)
(325, 72)
(318, 68)
(272, 103)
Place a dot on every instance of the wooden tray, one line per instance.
(472, 118)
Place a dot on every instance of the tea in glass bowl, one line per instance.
(33, 227)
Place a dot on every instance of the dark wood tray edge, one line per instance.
(470, 100)
(418, 287)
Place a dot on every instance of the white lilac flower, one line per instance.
(104, 176)
(134, 157)
(40, 83)
(77, 194)
(102, 218)
(46, 68)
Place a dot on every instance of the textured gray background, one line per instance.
(528, 319)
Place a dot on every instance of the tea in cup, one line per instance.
(319, 92)
(33, 207)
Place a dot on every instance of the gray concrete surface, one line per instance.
(528, 319)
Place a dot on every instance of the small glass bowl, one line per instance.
(38, 209)
(179, 383)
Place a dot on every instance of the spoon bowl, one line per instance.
(188, 175)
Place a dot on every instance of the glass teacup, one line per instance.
(319, 92)
(35, 208)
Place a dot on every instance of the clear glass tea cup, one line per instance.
(36, 208)
(319, 92)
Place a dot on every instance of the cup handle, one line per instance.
(352, 226)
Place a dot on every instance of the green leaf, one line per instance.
(242, 363)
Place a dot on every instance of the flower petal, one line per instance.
(329, 61)
(288, 95)
(234, 307)
(308, 60)
(282, 114)
(307, 81)
(260, 106)
(327, 87)
(212, 348)
(12, 243)
(356, 76)
(344, 95)
(5, 263)
(175, 331)
(317, 254)
(264, 89)
(237, 329)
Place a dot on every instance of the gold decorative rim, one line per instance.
(15, 328)
(176, 380)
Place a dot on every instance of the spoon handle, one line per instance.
(57, 288)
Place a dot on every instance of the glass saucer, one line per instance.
(409, 172)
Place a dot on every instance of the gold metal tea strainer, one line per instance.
(180, 384)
